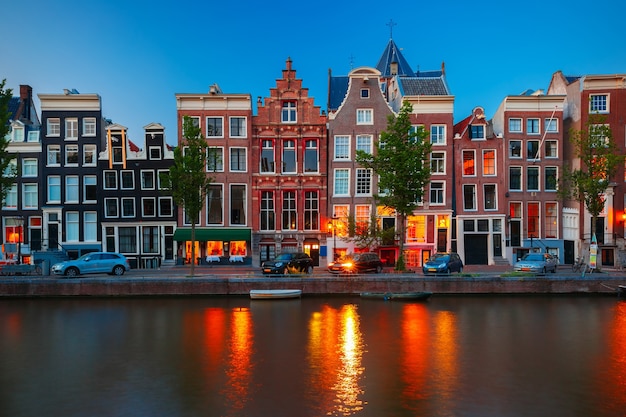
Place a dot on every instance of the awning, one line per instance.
(205, 234)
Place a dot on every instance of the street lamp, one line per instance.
(19, 221)
(333, 227)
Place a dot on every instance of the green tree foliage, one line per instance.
(7, 170)
(188, 182)
(599, 158)
(401, 161)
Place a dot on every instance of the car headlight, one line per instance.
(279, 264)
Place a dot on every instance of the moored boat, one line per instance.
(408, 296)
(621, 290)
(274, 294)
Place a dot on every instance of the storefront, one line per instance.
(220, 245)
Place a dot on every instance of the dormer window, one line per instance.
(477, 132)
(288, 113)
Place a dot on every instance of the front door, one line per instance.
(497, 244)
(53, 236)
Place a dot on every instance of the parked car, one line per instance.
(289, 262)
(443, 262)
(536, 262)
(357, 263)
(93, 263)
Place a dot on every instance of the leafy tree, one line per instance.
(401, 163)
(599, 158)
(188, 181)
(7, 170)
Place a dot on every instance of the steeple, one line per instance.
(392, 62)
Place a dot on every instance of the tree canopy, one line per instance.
(8, 171)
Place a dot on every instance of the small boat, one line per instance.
(621, 291)
(274, 294)
(408, 296)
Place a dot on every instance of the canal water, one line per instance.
(451, 356)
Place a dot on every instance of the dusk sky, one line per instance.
(137, 54)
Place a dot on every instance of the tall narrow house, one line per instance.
(289, 181)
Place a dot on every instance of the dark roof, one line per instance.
(14, 105)
(424, 86)
(337, 90)
(393, 54)
(572, 78)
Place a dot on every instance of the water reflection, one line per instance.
(335, 352)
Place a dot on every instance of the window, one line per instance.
(598, 103)
(532, 149)
(162, 178)
(532, 126)
(550, 179)
(89, 155)
(267, 211)
(54, 155)
(532, 178)
(71, 128)
(311, 210)
(342, 147)
(110, 207)
(311, 156)
(238, 160)
(289, 156)
(110, 180)
(469, 197)
(267, 156)
(438, 163)
(365, 93)
(214, 127)
(71, 189)
(29, 167)
(362, 217)
(118, 156)
(33, 136)
(155, 153)
(128, 239)
(237, 127)
(215, 159)
(166, 208)
(128, 207)
(90, 183)
(363, 181)
(364, 143)
(515, 178)
(515, 149)
(150, 238)
(128, 180)
(437, 192)
(148, 207)
(17, 134)
(533, 220)
(147, 180)
(551, 147)
(515, 125)
(89, 126)
(214, 205)
(53, 127)
(477, 132)
(289, 217)
(72, 221)
(54, 189)
(489, 162)
(551, 220)
(489, 194)
(31, 194)
(342, 178)
(90, 226)
(469, 163)
(364, 116)
(10, 201)
(71, 155)
(438, 134)
(552, 125)
(288, 113)
(195, 121)
(238, 204)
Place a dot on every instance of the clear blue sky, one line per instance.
(137, 54)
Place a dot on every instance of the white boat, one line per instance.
(274, 294)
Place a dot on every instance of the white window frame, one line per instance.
(90, 181)
(512, 125)
(363, 185)
(53, 150)
(146, 173)
(438, 164)
(171, 205)
(109, 174)
(72, 189)
(439, 191)
(90, 226)
(30, 196)
(53, 127)
(155, 209)
(114, 202)
(343, 182)
(365, 143)
(71, 128)
(530, 126)
(89, 126)
(594, 103)
(71, 150)
(53, 182)
(218, 152)
(438, 134)
(239, 160)
(341, 142)
(551, 125)
(29, 167)
(289, 112)
(240, 134)
(90, 149)
(134, 209)
(220, 133)
(495, 197)
(364, 116)
(72, 226)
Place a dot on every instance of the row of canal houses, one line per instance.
(285, 177)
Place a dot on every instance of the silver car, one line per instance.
(536, 262)
(93, 263)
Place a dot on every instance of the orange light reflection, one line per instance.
(240, 369)
(414, 361)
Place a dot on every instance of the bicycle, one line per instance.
(579, 265)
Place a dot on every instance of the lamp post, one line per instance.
(19, 221)
(333, 227)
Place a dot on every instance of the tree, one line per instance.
(401, 164)
(599, 158)
(188, 181)
(7, 170)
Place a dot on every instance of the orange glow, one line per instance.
(240, 368)
(414, 362)
(612, 369)
(445, 358)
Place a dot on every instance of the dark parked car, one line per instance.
(443, 262)
(93, 263)
(286, 263)
(357, 263)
